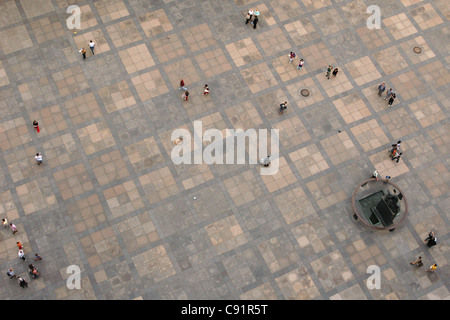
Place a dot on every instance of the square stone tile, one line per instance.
(154, 23)
(14, 133)
(9, 103)
(408, 3)
(123, 199)
(95, 137)
(278, 253)
(21, 164)
(420, 152)
(173, 217)
(48, 28)
(378, 103)
(425, 54)
(295, 90)
(70, 81)
(288, 71)
(324, 189)
(213, 62)
(240, 267)
(370, 135)
(263, 292)
(436, 178)
(36, 92)
(9, 14)
(261, 219)
(17, 35)
(138, 231)
(244, 116)
(21, 66)
(352, 13)
(210, 202)
(294, 205)
(182, 69)
(401, 125)
(322, 57)
(51, 120)
(390, 60)
(292, 132)
(243, 52)
(408, 85)
(136, 58)
(109, 167)
(286, 9)
(352, 108)
(313, 5)
(243, 188)
(373, 38)
(73, 181)
(168, 48)
(199, 37)
(399, 26)
(353, 293)
(82, 108)
(123, 33)
(435, 74)
(427, 111)
(273, 41)
(443, 7)
(312, 237)
(339, 148)
(37, 195)
(440, 136)
(110, 10)
(8, 209)
(86, 213)
(281, 179)
(329, 22)
(269, 104)
(226, 234)
(159, 185)
(340, 83)
(193, 175)
(297, 285)
(144, 154)
(332, 270)
(362, 71)
(149, 85)
(100, 247)
(97, 36)
(386, 167)
(425, 16)
(33, 9)
(259, 77)
(88, 19)
(308, 161)
(117, 96)
(302, 31)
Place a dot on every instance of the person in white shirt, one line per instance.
(38, 158)
(91, 46)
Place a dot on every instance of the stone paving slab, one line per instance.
(108, 198)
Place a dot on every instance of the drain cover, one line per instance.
(417, 50)
(305, 92)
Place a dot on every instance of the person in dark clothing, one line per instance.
(391, 100)
(254, 22)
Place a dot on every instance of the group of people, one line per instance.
(395, 151)
(292, 56)
(186, 92)
(390, 94)
(33, 271)
(83, 50)
(430, 241)
(252, 13)
(331, 72)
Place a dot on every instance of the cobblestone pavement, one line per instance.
(108, 198)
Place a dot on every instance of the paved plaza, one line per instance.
(108, 198)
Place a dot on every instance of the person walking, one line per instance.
(13, 228)
(395, 146)
(5, 223)
(22, 255)
(254, 22)
(397, 156)
(250, 13)
(283, 106)
(19, 245)
(300, 64)
(335, 72)
(381, 89)
(375, 174)
(36, 126)
(11, 274)
(329, 69)
(205, 90)
(266, 161)
(182, 86)
(248, 18)
(37, 257)
(431, 240)
(388, 94)
(185, 95)
(91, 46)
(291, 56)
(391, 100)
(38, 158)
(432, 268)
(418, 262)
(22, 282)
(83, 53)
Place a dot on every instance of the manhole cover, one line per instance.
(305, 92)
(417, 50)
